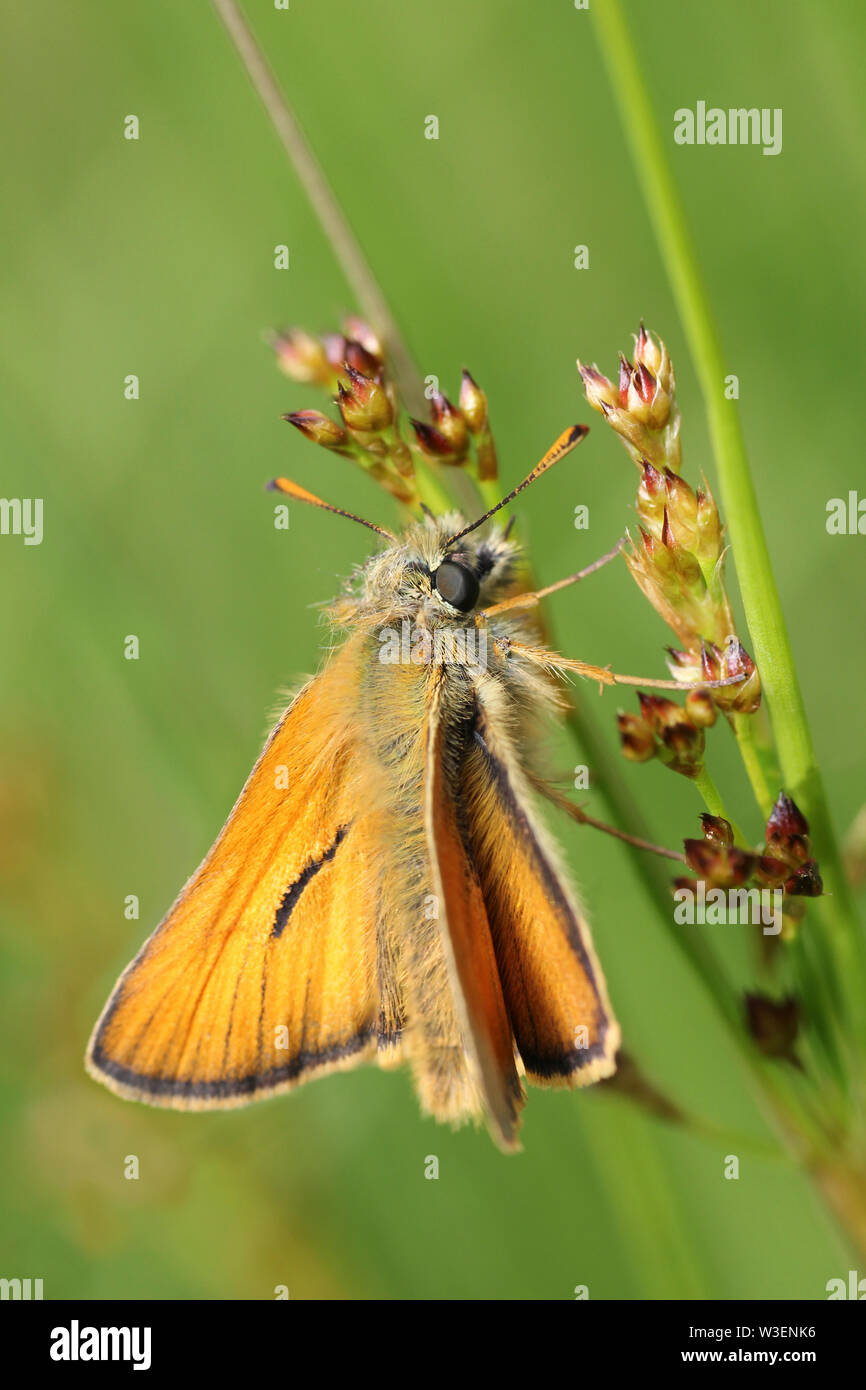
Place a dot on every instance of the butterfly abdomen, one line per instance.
(418, 1019)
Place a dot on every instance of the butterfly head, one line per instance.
(447, 580)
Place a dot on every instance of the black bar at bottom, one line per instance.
(67, 1337)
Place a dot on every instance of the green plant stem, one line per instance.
(744, 730)
(844, 1189)
(709, 792)
(430, 490)
(760, 595)
(712, 799)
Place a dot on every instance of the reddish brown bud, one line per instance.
(359, 330)
(601, 393)
(683, 739)
(703, 857)
(302, 357)
(319, 428)
(788, 834)
(638, 408)
(774, 1024)
(364, 403)
(651, 497)
(708, 532)
(649, 544)
(636, 737)
(682, 507)
(770, 872)
(641, 407)
(710, 661)
(701, 709)
(431, 440)
(659, 712)
(625, 375)
(646, 382)
(653, 482)
(450, 422)
(786, 819)
(683, 747)
(723, 867)
(679, 659)
(717, 831)
(360, 360)
(744, 696)
(682, 742)
(651, 353)
(473, 403)
(737, 661)
(806, 882)
(740, 867)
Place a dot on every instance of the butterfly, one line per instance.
(384, 888)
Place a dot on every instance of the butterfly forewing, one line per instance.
(264, 971)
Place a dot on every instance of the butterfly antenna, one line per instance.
(564, 445)
(300, 494)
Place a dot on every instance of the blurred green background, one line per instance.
(155, 257)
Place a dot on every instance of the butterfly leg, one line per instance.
(552, 661)
(582, 817)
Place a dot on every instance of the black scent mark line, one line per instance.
(292, 895)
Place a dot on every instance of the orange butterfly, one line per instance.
(383, 887)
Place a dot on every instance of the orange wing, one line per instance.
(264, 971)
(553, 986)
(466, 935)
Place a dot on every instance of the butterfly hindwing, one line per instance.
(466, 934)
(552, 983)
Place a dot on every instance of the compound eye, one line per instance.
(457, 584)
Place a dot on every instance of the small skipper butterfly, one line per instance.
(383, 888)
